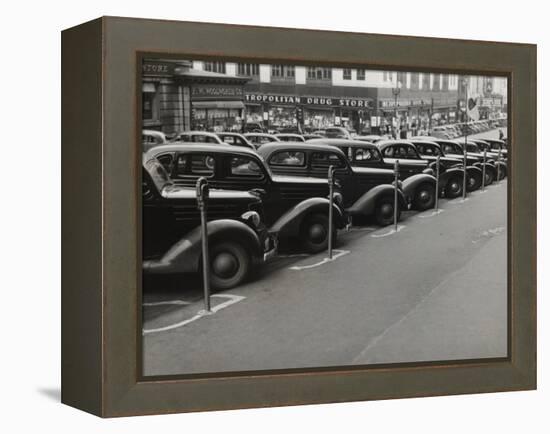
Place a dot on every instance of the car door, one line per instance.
(319, 163)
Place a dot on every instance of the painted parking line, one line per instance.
(231, 299)
(324, 261)
(432, 214)
(390, 232)
(168, 303)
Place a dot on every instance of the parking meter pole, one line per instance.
(202, 198)
(395, 197)
(498, 166)
(437, 162)
(483, 174)
(465, 174)
(330, 210)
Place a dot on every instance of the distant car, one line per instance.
(235, 139)
(451, 169)
(366, 192)
(496, 145)
(150, 138)
(258, 139)
(253, 127)
(289, 137)
(198, 137)
(477, 146)
(311, 136)
(372, 138)
(453, 149)
(410, 162)
(340, 133)
(295, 208)
(238, 238)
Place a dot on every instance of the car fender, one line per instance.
(412, 182)
(472, 170)
(451, 172)
(366, 204)
(288, 225)
(184, 256)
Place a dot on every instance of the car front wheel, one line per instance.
(230, 264)
(424, 197)
(384, 211)
(314, 233)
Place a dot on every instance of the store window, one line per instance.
(215, 67)
(360, 74)
(347, 74)
(319, 73)
(248, 69)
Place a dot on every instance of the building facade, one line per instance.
(190, 95)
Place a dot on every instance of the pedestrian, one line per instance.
(500, 134)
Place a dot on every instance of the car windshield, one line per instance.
(158, 174)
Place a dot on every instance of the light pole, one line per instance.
(396, 91)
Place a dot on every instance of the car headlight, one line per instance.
(252, 217)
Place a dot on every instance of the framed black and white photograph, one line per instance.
(282, 216)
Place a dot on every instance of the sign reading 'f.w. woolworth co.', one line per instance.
(309, 100)
(217, 92)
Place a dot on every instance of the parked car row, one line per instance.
(266, 190)
(453, 131)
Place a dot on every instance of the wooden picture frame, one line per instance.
(101, 256)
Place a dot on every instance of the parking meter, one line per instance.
(437, 163)
(395, 193)
(202, 204)
(330, 205)
(484, 164)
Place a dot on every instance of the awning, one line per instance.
(218, 104)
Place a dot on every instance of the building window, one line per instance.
(426, 81)
(347, 74)
(215, 67)
(360, 74)
(437, 82)
(283, 71)
(415, 80)
(248, 69)
(445, 83)
(387, 76)
(402, 78)
(319, 73)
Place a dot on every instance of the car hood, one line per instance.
(298, 179)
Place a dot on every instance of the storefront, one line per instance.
(310, 112)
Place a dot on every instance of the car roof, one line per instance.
(212, 148)
(287, 135)
(269, 148)
(227, 133)
(343, 142)
(425, 141)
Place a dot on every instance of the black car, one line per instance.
(476, 147)
(366, 191)
(238, 239)
(452, 148)
(451, 170)
(418, 186)
(295, 208)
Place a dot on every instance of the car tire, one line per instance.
(490, 175)
(454, 186)
(501, 173)
(230, 264)
(383, 212)
(424, 197)
(314, 233)
(474, 181)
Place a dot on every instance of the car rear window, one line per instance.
(194, 165)
(288, 158)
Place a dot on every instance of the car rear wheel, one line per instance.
(230, 264)
(314, 233)
(454, 187)
(501, 173)
(384, 210)
(490, 176)
(424, 197)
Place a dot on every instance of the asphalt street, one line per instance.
(434, 290)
